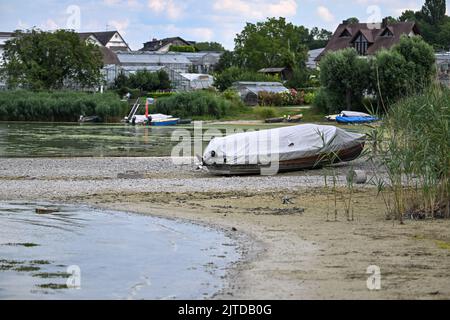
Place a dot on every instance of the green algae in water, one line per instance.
(53, 286)
(26, 245)
(26, 269)
(51, 275)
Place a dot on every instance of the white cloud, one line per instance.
(130, 4)
(325, 14)
(194, 33)
(22, 25)
(157, 5)
(50, 25)
(172, 9)
(120, 25)
(111, 2)
(257, 9)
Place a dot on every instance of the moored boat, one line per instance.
(275, 120)
(284, 149)
(351, 117)
(165, 122)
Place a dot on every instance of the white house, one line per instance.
(112, 40)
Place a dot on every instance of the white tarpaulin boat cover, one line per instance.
(355, 114)
(283, 144)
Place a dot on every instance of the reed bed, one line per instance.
(413, 149)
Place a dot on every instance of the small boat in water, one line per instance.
(157, 120)
(91, 119)
(285, 149)
(165, 122)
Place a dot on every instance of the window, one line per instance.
(387, 33)
(361, 44)
(345, 34)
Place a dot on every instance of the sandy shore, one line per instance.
(294, 250)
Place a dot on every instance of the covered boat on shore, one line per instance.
(351, 117)
(285, 149)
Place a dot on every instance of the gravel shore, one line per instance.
(305, 248)
(52, 178)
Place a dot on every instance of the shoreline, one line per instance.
(291, 250)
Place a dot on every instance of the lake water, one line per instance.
(19, 140)
(114, 255)
(74, 140)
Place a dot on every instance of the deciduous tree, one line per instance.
(51, 60)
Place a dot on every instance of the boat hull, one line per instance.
(356, 120)
(165, 123)
(314, 162)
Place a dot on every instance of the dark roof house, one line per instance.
(284, 73)
(368, 38)
(164, 45)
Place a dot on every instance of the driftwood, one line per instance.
(46, 210)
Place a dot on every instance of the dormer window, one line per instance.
(345, 34)
(387, 33)
(361, 44)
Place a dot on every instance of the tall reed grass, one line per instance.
(199, 104)
(22, 105)
(414, 150)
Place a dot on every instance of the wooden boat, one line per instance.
(293, 119)
(275, 120)
(284, 149)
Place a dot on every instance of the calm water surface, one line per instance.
(74, 140)
(120, 255)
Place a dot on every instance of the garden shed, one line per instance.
(249, 91)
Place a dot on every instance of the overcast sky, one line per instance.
(214, 20)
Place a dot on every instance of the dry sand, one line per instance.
(292, 251)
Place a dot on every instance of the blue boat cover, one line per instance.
(350, 120)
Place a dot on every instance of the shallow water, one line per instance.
(102, 140)
(18, 140)
(120, 255)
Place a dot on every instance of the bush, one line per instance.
(281, 99)
(182, 49)
(408, 68)
(159, 95)
(321, 102)
(64, 106)
(309, 98)
(265, 113)
(197, 104)
(345, 78)
(144, 81)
